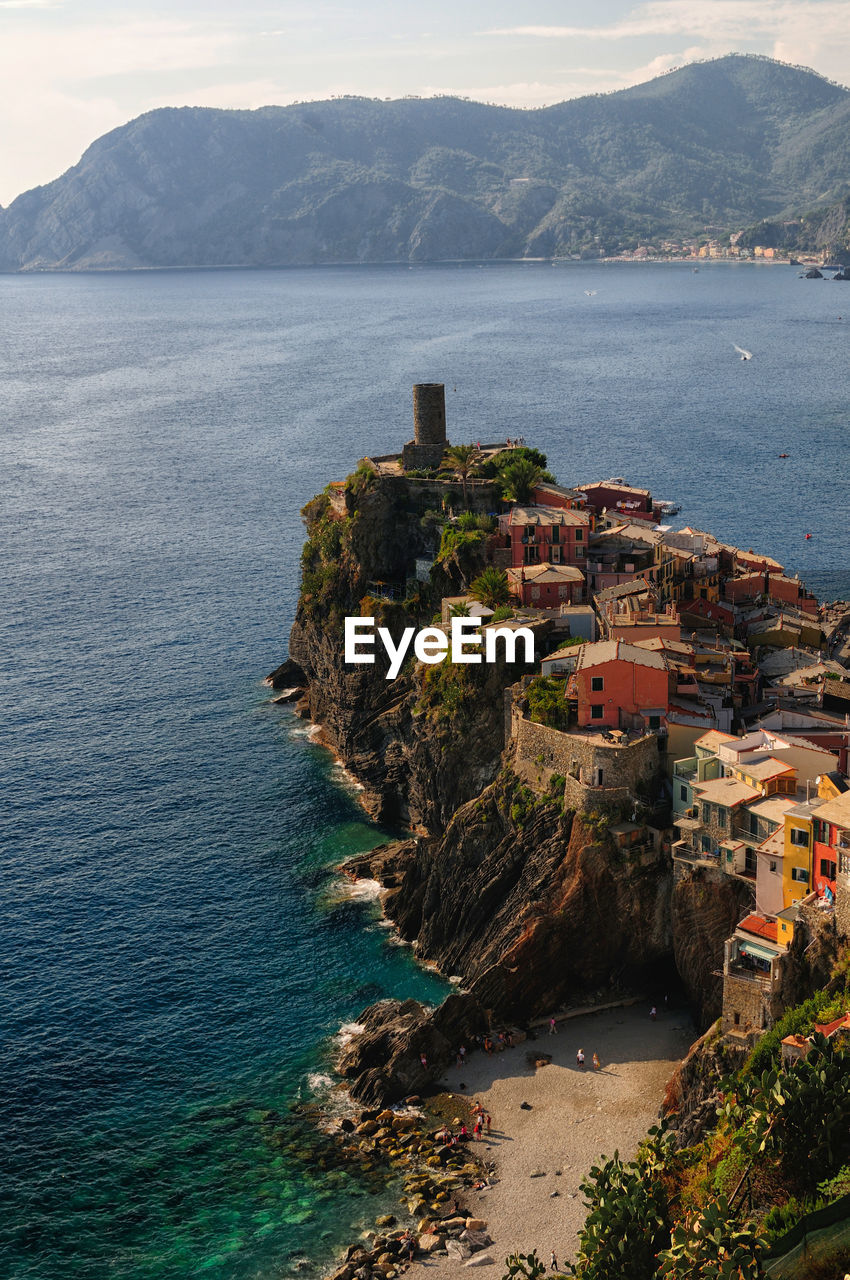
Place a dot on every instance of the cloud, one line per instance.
(720, 20)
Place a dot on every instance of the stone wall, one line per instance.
(540, 751)
(420, 494)
(747, 999)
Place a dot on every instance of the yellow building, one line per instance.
(797, 858)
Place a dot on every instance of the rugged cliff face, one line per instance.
(704, 909)
(431, 739)
(529, 905)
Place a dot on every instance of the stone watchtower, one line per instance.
(428, 445)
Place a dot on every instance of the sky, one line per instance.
(71, 70)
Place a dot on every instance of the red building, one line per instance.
(616, 495)
(547, 586)
(546, 535)
(619, 686)
(774, 586)
(831, 840)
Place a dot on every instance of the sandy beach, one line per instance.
(576, 1116)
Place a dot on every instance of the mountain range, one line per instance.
(709, 148)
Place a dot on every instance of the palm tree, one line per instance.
(462, 459)
(519, 479)
(491, 587)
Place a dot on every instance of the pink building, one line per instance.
(546, 535)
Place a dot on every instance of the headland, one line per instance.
(656, 804)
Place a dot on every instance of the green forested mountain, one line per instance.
(723, 144)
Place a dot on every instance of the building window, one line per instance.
(597, 711)
(580, 552)
(683, 793)
(554, 555)
(800, 837)
(579, 535)
(800, 874)
(722, 817)
(597, 684)
(737, 1018)
(706, 814)
(827, 868)
(556, 533)
(705, 844)
(772, 864)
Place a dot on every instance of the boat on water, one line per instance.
(669, 508)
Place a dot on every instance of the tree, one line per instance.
(462, 459)
(518, 480)
(491, 587)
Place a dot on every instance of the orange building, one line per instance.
(619, 686)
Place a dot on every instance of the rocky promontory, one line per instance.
(528, 903)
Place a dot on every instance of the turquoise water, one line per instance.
(177, 955)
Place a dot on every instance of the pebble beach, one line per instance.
(575, 1116)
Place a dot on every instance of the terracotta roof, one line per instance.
(836, 810)
(548, 515)
(829, 1028)
(713, 739)
(765, 768)
(759, 926)
(594, 655)
(637, 586)
(613, 484)
(662, 644)
(546, 573)
(725, 791)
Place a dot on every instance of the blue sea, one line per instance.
(178, 952)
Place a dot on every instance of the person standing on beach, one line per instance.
(653, 1013)
(596, 1063)
(553, 1262)
(580, 1058)
(552, 1027)
(488, 1122)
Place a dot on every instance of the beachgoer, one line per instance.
(509, 1039)
(488, 1122)
(552, 1027)
(653, 1013)
(596, 1063)
(580, 1058)
(488, 1045)
(553, 1262)
(410, 1244)
(463, 1136)
(423, 1060)
(476, 1129)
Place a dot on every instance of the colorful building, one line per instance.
(619, 686)
(546, 535)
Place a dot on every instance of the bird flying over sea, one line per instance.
(745, 355)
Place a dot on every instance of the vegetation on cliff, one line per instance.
(776, 1148)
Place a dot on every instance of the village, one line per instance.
(694, 692)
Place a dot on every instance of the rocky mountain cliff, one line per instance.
(723, 143)
(529, 903)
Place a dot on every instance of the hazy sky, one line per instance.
(72, 69)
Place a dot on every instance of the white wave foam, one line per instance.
(319, 1082)
(360, 890)
(348, 1031)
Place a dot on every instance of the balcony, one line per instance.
(738, 969)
